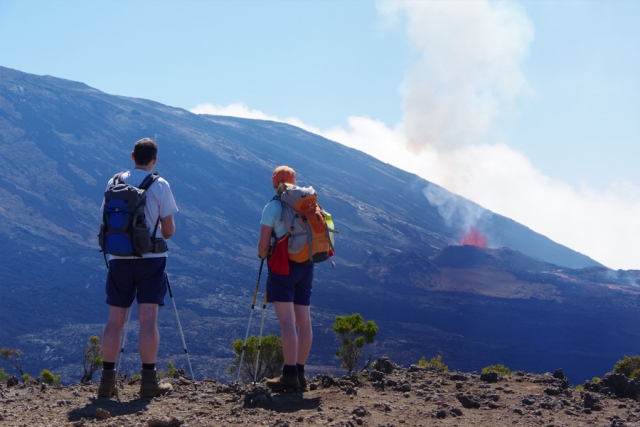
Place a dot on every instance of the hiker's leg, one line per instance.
(120, 292)
(286, 316)
(150, 385)
(149, 335)
(305, 332)
(113, 333)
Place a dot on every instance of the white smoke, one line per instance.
(469, 73)
(468, 77)
(469, 68)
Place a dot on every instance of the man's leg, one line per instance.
(149, 335)
(110, 348)
(148, 346)
(113, 333)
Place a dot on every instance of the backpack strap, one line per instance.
(155, 229)
(274, 239)
(144, 185)
(117, 179)
(150, 179)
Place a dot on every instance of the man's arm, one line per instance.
(167, 226)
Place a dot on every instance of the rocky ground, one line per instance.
(387, 396)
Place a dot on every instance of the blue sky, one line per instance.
(528, 108)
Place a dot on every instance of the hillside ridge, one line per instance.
(60, 141)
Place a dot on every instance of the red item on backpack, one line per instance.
(279, 260)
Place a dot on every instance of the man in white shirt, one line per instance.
(143, 278)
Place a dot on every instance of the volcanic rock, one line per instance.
(434, 399)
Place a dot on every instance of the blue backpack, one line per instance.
(124, 231)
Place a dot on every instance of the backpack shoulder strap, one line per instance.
(278, 197)
(117, 179)
(150, 179)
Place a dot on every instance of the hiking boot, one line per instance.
(149, 385)
(302, 380)
(108, 386)
(288, 383)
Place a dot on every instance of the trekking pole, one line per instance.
(253, 304)
(264, 310)
(184, 344)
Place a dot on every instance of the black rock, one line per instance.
(468, 401)
(490, 377)
(621, 386)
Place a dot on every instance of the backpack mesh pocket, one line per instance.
(142, 239)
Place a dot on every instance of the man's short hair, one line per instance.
(144, 151)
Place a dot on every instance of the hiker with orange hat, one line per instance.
(290, 293)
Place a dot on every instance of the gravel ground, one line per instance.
(390, 396)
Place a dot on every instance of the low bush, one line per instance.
(14, 357)
(627, 366)
(270, 360)
(172, 370)
(501, 369)
(353, 333)
(92, 361)
(48, 377)
(435, 362)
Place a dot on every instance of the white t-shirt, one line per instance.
(160, 202)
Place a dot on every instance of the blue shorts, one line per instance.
(294, 287)
(142, 278)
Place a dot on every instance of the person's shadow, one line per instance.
(94, 410)
(293, 402)
(282, 402)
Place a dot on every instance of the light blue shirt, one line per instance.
(272, 217)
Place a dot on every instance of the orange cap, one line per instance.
(283, 173)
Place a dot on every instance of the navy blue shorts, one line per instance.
(294, 287)
(145, 277)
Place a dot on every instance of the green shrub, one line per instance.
(14, 357)
(635, 374)
(579, 387)
(596, 380)
(25, 377)
(435, 362)
(48, 377)
(627, 365)
(92, 358)
(3, 375)
(501, 369)
(172, 370)
(270, 361)
(353, 332)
